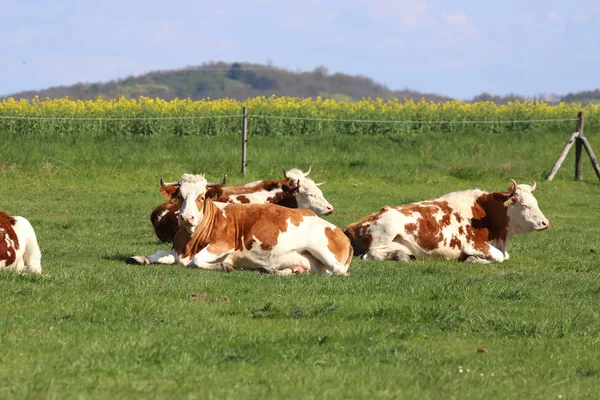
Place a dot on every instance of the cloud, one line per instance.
(557, 19)
(458, 18)
(21, 37)
(409, 14)
(526, 18)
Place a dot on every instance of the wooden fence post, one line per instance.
(244, 138)
(579, 147)
(562, 156)
(581, 143)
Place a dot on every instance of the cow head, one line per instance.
(523, 210)
(307, 193)
(191, 194)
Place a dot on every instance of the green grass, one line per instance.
(93, 327)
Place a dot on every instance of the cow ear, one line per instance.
(287, 189)
(214, 193)
(168, 191)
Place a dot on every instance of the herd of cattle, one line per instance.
(275, 227)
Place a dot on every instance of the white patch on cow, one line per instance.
(255, 197)
(162, 214)
(252, 183)
(192, 187)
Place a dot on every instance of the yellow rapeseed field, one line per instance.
(281, 116)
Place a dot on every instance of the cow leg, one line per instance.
(299, 269)
(325, 261)
(493, 255)
(160, 257)
(32, 256)
(205, 259)
(394, 251)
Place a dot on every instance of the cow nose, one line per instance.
(188, 218)
(329, 210)
(545, 224)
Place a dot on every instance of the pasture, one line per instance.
(93, 327)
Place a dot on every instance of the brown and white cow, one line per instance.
(471, 226)
(265, 237)
(19, 248)
(295, 191)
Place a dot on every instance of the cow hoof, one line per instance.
(227, 267)
(298, 269)
(137, 260)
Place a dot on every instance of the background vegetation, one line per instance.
(93, 327)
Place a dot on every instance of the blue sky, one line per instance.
(456, 48)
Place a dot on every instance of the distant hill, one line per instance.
(236, 81)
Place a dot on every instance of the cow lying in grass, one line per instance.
(471, 226)
(19, 248)
(296, 190)
(265, 237)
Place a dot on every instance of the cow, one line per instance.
(471, 226)
(19, 248)
(295, 191)
(264, 237)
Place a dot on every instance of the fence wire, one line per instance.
(369, 121)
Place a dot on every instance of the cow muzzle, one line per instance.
(544, 225)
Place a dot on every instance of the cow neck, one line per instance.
(489, 213)
(189, 244)
(286, 200)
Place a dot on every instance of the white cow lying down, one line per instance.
(19, 248)
(472, 226)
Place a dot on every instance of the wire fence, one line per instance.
(283, 117)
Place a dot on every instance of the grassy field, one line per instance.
(93, 327)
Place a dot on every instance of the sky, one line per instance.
(457, 48)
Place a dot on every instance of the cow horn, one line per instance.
(319, 184)
(533, 186)
(308, 172)
(513, 188)
(284, 172)
(222, 183)
(163, 183)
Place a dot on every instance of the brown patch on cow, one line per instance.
(461, 230)
(490, 220)
(428, 230)
(358, 232)
(337, 243)
(168, 191)
(284, 199)
(455, 243)
(8, 253)
(164, 220)
(458, 217)
(242, 199)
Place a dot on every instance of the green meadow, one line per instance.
(93, 327)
